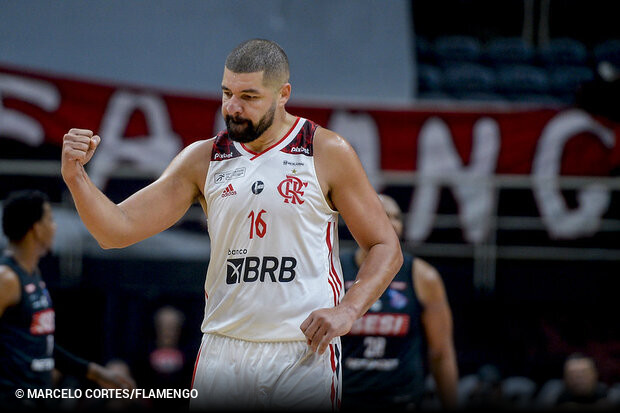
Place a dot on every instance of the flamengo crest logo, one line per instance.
(291, 190)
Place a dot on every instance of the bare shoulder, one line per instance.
(198, 152)
(427, 281)
(192, 162)
(334, 155)
(327, 141)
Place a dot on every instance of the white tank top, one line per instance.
(274, 239)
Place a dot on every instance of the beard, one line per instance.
(242, 130)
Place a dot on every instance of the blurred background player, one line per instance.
(384, 354)
(28, 353)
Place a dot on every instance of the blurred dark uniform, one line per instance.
(385, 351)
(26, 339)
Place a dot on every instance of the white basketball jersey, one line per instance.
(274, 239)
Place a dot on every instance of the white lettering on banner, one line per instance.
(36, 92)
(593, 199)
(150, 153)
(437, 157)
(360, 130)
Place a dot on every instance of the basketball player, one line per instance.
(384, 353)
(28, 353)
(271, 185)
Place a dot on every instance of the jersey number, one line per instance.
(257, 224)
(374, 347)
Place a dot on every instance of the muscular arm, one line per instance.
(10, 290)
(437, 322)
(348, 190)
(145, 213)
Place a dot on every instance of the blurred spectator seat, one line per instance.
(565, 79)
(540, 99)
(508, 50)
(480, 97)
(430, 78)
(608, 51)
(467, 384)
(518, 391)
(613, 395)
(424, 50)
(435, 96)
(457, 49)
(469, 77)
(548, 394)
(563, 51)
(519, 79)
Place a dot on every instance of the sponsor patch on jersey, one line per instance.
(289, 163)
(221, 177)
(43, 322)
(252, 269)
(229, 191)
(397, 300)
(387, 324)
(257, 187)
(398, 285)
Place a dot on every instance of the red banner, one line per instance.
(57, 104)
(147, 127)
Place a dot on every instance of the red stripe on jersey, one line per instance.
(331, 263)
(331, 277)
(335, 280)
(256, 155)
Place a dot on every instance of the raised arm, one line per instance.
(350, 193)
(145, 213)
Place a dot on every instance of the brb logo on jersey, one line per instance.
(251, 269)
(291, 190)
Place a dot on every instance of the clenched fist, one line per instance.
(78, 146)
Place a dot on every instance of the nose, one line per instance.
(233, 106)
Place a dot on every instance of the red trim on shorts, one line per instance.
(256, 155)
(196, 365)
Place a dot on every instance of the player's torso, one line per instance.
(27, 334)
(274, 254)
(383, 351)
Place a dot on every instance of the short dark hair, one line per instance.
(258, 55)
(20, 211)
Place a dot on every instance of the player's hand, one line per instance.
(324, 324)
(109, 378)
(78, 146)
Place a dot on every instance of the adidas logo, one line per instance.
(229, 191)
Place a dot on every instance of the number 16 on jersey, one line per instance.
(257, 224)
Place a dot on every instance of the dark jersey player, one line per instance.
(28, 353)
(387, 350)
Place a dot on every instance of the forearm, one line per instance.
(374, 276)
(445, 372)
(105, 220)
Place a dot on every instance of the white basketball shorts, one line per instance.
(233, 374)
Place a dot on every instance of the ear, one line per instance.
(37, 229)
(285, 94)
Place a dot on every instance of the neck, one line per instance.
(25, 255)
(280, 127)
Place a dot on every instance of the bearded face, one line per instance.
(243, 130)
